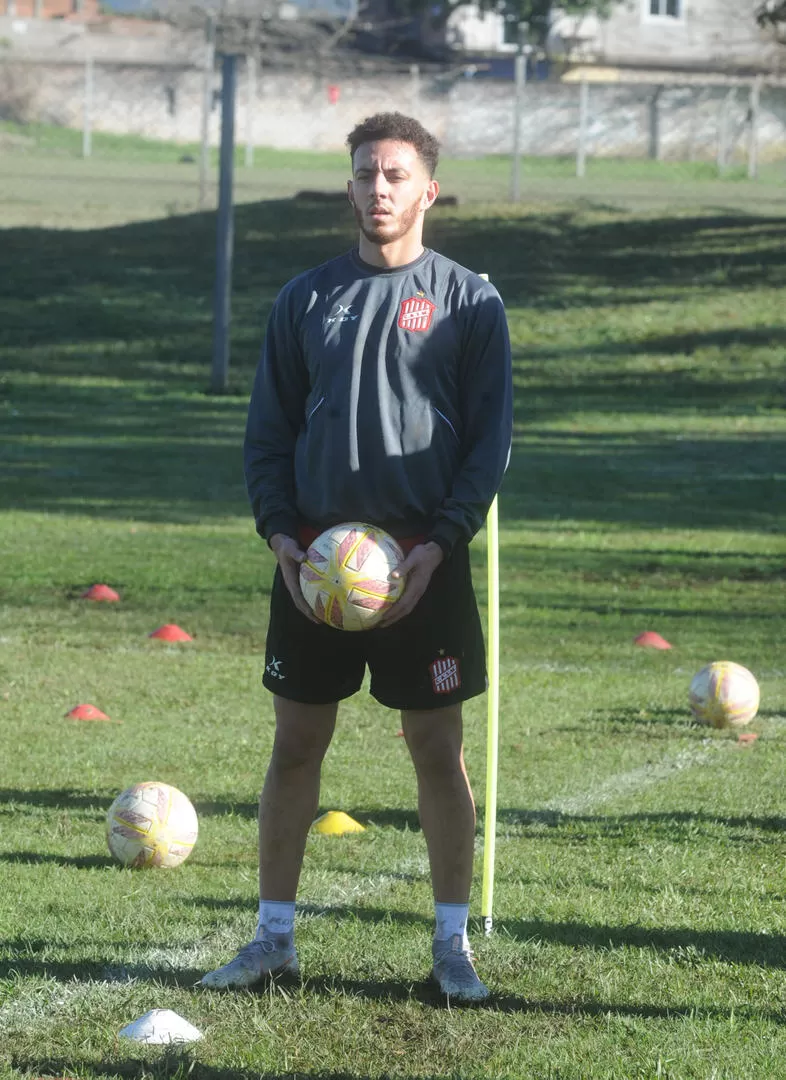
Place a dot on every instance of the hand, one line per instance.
(290, 555)
(417, 568)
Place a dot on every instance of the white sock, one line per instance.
(277, 917)
(452, 920)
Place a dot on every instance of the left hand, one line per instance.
(417, 568)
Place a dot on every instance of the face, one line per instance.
(390, 191)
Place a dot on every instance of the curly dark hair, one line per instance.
(401, 128)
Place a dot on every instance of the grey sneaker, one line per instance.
(268, 956)
(454, 971)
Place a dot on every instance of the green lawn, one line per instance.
(640, 915)
(46, 183)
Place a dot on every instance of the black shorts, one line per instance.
(433, 657)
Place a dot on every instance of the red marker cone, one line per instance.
(400, 733)
(170, 632)
(651, 640)
(745, 738)
(100, 592)
(86, 712)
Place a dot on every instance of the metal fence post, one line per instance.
(251, 100)
(654, 116)
(754, 110)
(723, 130)
(520, 76)
(87, 112)
(207, 106)
(414, 84)
(225, 230)
(581, 153)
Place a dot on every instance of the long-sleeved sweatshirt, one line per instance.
(384, 396)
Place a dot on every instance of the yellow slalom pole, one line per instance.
(492, 737)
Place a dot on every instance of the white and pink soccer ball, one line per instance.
(724, 694)
(345, 578)
(151, 824)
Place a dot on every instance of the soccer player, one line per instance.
(383, 395)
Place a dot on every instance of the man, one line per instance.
(383, 395)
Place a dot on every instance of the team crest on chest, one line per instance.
(416, 313)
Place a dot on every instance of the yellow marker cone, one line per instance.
(336, 823)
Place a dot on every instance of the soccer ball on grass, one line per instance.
(345, 577)
(151, 824)
(724, 694)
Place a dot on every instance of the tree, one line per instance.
(537, 15)
(771, 15)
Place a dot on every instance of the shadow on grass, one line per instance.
(174, 1065)
(12, 799)
(113, 970)
(672, 823)
(685, 944)
(646, 717)
(80, 862)
(403, 819)
(105, 336)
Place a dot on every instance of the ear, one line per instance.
(429, 195)
(350, 194)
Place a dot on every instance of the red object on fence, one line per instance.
(333, 92)
(651, 640)
(100, 592)
(170, 632)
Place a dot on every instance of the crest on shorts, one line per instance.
(445, 675)
(415, 313)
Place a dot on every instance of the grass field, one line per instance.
(640, 901)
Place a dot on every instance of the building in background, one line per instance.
(50, 9)
(679, 36)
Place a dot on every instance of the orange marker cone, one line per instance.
(86, 712)
(100, 592)
(171, 632)
(651, 640)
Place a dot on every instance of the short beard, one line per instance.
(404, 225)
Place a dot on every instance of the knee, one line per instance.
(435, 756)
(303, 734)
(292, 752)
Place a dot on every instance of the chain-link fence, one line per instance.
(722, 128)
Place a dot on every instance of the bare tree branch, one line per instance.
(771, 13)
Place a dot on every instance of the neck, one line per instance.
(399, 253)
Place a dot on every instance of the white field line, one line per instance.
(342, 892)
(625, 783)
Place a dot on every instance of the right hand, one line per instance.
(290, 555)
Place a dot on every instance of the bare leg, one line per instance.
(290, 796)
(445, 803)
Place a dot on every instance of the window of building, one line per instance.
(665, 9)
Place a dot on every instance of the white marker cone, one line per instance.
(161, 1026)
